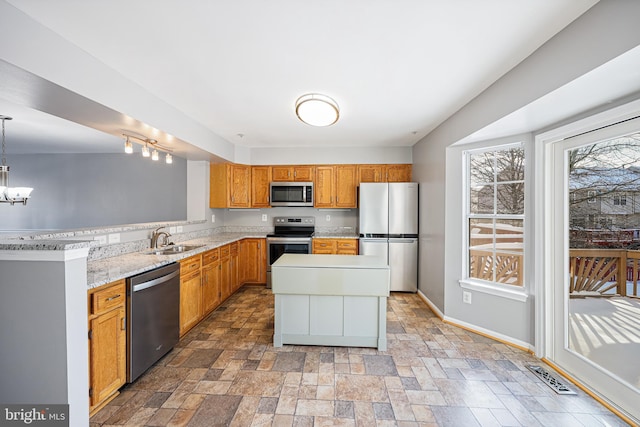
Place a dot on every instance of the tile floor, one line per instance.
(226, 372)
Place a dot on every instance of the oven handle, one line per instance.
(288, 240)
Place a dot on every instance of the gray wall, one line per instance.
(601, 34)
(90, 190)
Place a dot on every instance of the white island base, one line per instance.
(332, 300)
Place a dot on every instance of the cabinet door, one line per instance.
(323, 246)
(324, 187)
(210, 286)
(281, 173)
(303, 173)
(371, 173)
(260, 179)
(234, 266)
(107, 355)
(240, 186)
(399, 173)
(346, 186)
(190, 301)
(253, 257)
(225, 273)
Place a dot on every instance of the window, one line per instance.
(495, 214)
(591, 196)
(620, 200)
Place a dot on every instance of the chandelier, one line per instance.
(8, 194)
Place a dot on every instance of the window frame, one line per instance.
(510, 291)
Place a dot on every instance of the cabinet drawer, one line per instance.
(347, 244)
(211, 256)
(322, 243)
(189, 265)
(224, 251)
(233, 248)
(106, 299)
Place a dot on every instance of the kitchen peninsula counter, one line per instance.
(107, 270)
(338, 300)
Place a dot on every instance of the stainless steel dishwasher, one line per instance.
(153, 317)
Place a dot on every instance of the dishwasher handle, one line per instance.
(155, 282)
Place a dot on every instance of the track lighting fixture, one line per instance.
(147, 145)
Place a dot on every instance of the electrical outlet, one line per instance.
(328, 218)
(172, 230)
(102, 240)
(466, 297)
(179, 229)
(264, 217)
(213, 218)
(114, 238)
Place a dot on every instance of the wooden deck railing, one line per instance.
(604, 270)
(507, 267)
(595, 271)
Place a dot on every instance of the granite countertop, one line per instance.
(107, 270)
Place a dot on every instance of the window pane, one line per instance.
(481, 233)
(510, 198)
(481, 169)
(509, 251)
(510, 164)
(481, 200)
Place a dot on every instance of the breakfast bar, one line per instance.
(333, 300)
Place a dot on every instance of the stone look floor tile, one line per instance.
(226, 372)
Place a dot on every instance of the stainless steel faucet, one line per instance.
(155, 236)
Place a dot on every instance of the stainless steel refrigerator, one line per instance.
(388, 227)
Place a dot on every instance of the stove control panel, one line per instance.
(300, 220)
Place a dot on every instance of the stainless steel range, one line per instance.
(292, 235)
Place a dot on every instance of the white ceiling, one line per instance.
(396, 68)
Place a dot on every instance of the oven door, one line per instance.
(277, 246)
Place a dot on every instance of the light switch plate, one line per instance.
(213, 218)
(264, 217)
(179, 229)
(172, 230)
(328, 218)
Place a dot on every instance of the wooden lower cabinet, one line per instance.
(210, 281)
(225, 273)
(253, 261)
(234, 266)
(190, 293)
(335, 246)
(107, 343)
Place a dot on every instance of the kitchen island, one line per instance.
(334, 300)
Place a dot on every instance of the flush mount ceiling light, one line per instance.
(317, 110)
(8, 194)
(147, 144)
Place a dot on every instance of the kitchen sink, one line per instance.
(173, 249)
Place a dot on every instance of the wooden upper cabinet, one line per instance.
(230, 186)
(371, 173)
(336, 186)
(260, 179)
(399, 173)
(303, 173)
(346, 186)
(324, 187)
(384, 173)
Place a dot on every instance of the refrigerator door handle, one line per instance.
(401, 240)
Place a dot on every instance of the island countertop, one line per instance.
(330, 261)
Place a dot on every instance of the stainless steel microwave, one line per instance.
(291, 193)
